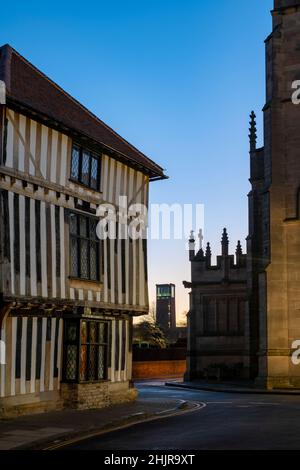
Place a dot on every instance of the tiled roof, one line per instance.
(29, 87)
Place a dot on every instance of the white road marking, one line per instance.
(198, 406)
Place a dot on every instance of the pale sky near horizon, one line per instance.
(177, 79)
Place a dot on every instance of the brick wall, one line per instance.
(158, 369)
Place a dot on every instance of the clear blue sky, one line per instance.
(177, 78)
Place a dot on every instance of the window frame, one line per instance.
(78, 343)
(78, 239)
(92, 155)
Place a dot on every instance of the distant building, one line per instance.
(217, 332)
(165, 307)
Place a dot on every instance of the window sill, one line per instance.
(78, 283)
(85, 186)
(88, 382)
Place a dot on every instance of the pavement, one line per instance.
(40, 431)
(240, 387)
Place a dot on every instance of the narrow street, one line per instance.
(227, 421)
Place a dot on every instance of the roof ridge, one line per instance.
(84, 108)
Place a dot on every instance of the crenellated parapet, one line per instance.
(202, 261)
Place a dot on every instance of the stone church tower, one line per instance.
(274, 223)
(269, 282)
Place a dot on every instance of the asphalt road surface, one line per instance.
(228, 421)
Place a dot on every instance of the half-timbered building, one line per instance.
(67, 298)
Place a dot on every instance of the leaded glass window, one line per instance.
(83, 226)
(83, 361)
(73, 224)
(93, 228)
(93, 260)
(94, 173)
(75, 163)
(86, 350)
(74, 257)
(94, 341)
(85, 167)
(71, 360)
(84, 248)
(71, 351)
(84, 269)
